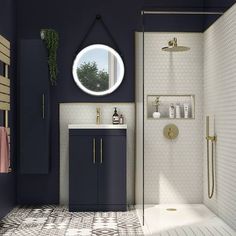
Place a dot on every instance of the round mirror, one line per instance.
(98, 70)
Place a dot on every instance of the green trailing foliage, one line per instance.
(51, 39)
(92, 78)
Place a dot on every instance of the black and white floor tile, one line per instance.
(58, 221)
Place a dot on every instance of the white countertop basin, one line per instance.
(95, 126)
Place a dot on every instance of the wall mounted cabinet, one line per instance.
(33, 107)
(97, 169)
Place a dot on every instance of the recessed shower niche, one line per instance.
(171, 107)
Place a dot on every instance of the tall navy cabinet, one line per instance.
(33, 107)
(97, 169)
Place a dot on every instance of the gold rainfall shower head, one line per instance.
(173, 47)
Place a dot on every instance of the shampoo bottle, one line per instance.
(172, 111)
(186, 110)
(177, 111)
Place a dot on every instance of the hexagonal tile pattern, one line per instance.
(173, 169)
(220, 103)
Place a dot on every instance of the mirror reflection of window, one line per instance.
(112, 69)
(93, 70)
(98, 69)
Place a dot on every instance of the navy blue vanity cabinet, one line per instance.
(83, 170)
(112, 171)
(97, 169)
(33, 107)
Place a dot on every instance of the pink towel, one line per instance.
(4, 151)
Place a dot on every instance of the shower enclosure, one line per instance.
(185, 86)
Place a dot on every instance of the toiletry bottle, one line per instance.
(121, 119)
(172, 111)
(115, 118)
(177, 111)
(186, 110)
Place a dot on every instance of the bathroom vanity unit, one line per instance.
(97, 167)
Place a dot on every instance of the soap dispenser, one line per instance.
(115, 118)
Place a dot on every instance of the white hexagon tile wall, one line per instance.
(173, 169)
(219, 96)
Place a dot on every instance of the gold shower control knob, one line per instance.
(171, 131)
(171, 134)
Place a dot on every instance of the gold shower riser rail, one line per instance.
(210, 161)
(5, 85)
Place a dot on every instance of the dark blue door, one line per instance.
(112, 170)
(83, 170)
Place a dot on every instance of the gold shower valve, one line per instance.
(171, 131)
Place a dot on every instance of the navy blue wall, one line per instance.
(72, 19)
(219, 4)
(8, 30)
(216, 5)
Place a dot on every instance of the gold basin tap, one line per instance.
(98, 116)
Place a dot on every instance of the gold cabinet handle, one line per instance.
(43, 105)
(94, 151)
(101, 151)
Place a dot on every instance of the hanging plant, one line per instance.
(51, 39)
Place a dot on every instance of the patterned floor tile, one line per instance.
(51, 220)
(105, 232)
(81, 221)
(79, 232)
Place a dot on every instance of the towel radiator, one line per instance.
(5, 98)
